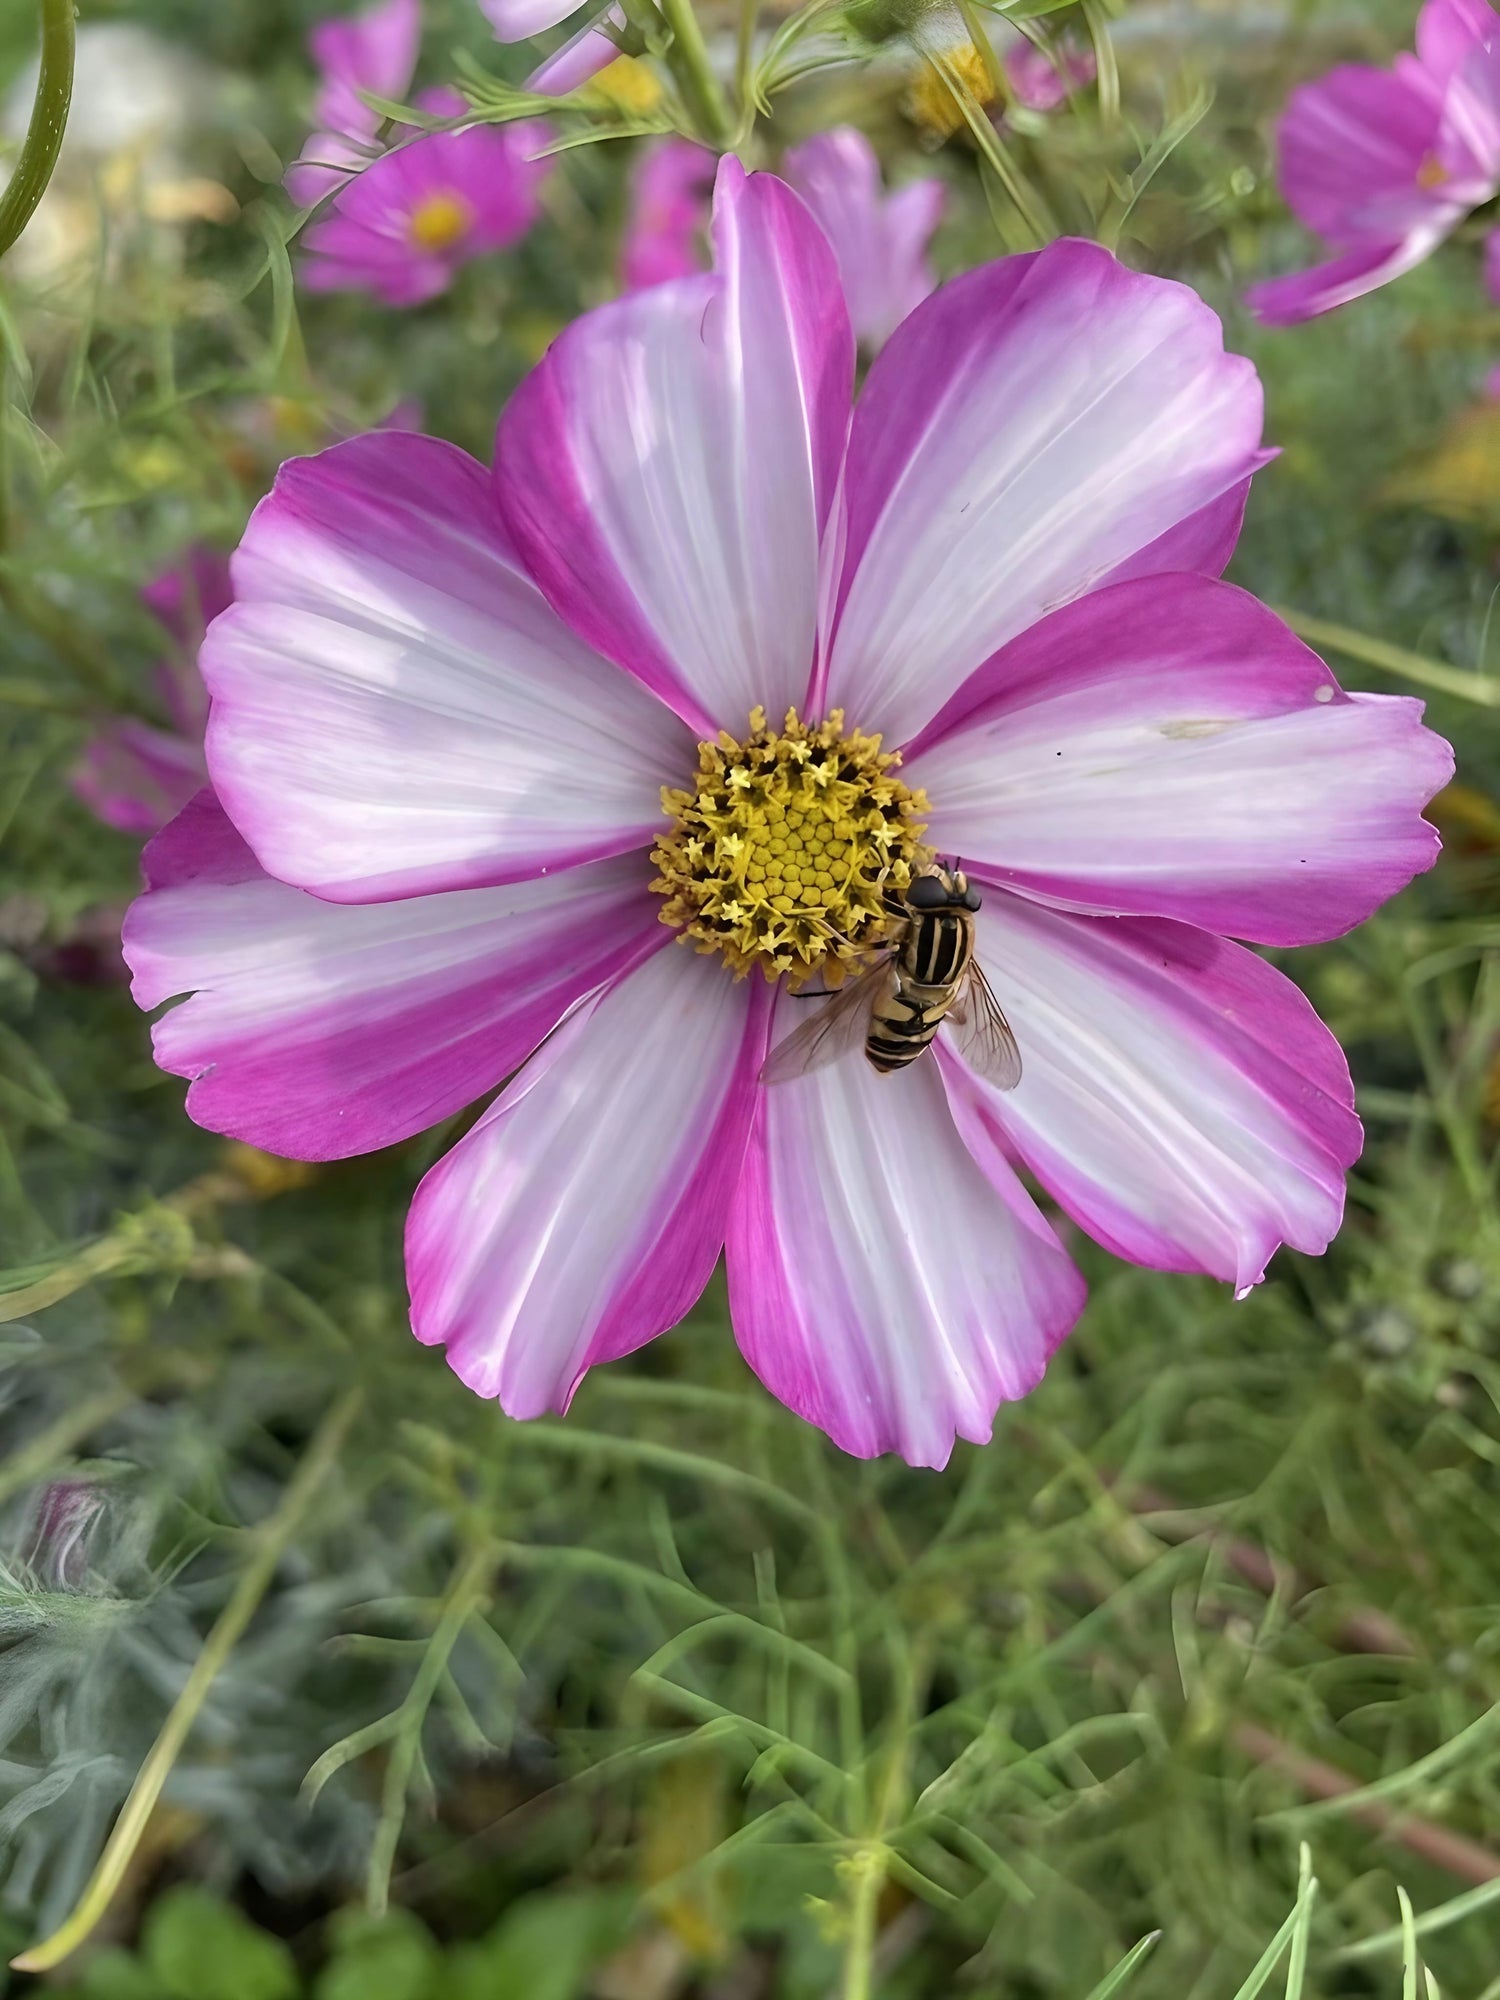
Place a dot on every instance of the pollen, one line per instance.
(782, 852)
(439, 221)
(933, 98)
(1432, 174)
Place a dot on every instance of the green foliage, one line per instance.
(198, 1948)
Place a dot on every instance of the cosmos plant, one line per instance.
(375, 51)
(404, 226)
(577, 771)
(1384, 164)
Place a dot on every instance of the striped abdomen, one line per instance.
(923, 983)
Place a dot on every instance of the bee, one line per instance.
(926, 975)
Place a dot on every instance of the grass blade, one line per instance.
(1113, 1982)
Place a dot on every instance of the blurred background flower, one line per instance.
(406, 224)
(1384, 164)
(133, 774)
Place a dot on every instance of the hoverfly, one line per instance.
(927, 975)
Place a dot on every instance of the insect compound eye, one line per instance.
(973, 900)
(928, 892)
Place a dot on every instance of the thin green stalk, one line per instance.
(1428, 1924)
(1415, 667)
(49, 116)
(269, 1542)
(1106, 69)
(688, 57)
(50, 1447)
(868, 1870)
(468, 1592)
(867, 1867)
(984, 48)
(1112, 1982)
(744, 66)
(987, 139)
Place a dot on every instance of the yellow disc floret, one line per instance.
(935, 97)
(439, 221)
(784, 850)
(626, 85)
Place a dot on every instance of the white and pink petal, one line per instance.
(515, 20)
(887, 1281)
(584, 1213)
(320, 1030)
(586, 52)
(1179, 1097)
(1028, 429)
(668, 469)
(1169, 747)
(395, 708)
(135, 777)
(1203, 543)
(1304, 295)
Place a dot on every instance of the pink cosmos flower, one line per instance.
(1041, 81)
(374, 51)
(477, 734)
(132, 775)
(1384, 164)
(880, 240)
(404, 227)
(670, 189)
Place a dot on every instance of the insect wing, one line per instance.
(835, 1030)
(982, 1034)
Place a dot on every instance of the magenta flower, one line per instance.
(374, 51)
(1384, 164)
(1042, 81)
(404, 227)
(670, 188)
(880, 240)
(132, 775)
(492, 748)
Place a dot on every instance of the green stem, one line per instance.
(868, 1868)
(47, 1451)
(688, 56)
(269, 1541)
(1409, 666)
(1106, 70)
(49, 115)
(466, 1595)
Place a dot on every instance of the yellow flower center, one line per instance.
(784, 849)
(934, 99)
(439, 222)
(626, 84)
(1432, 174)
